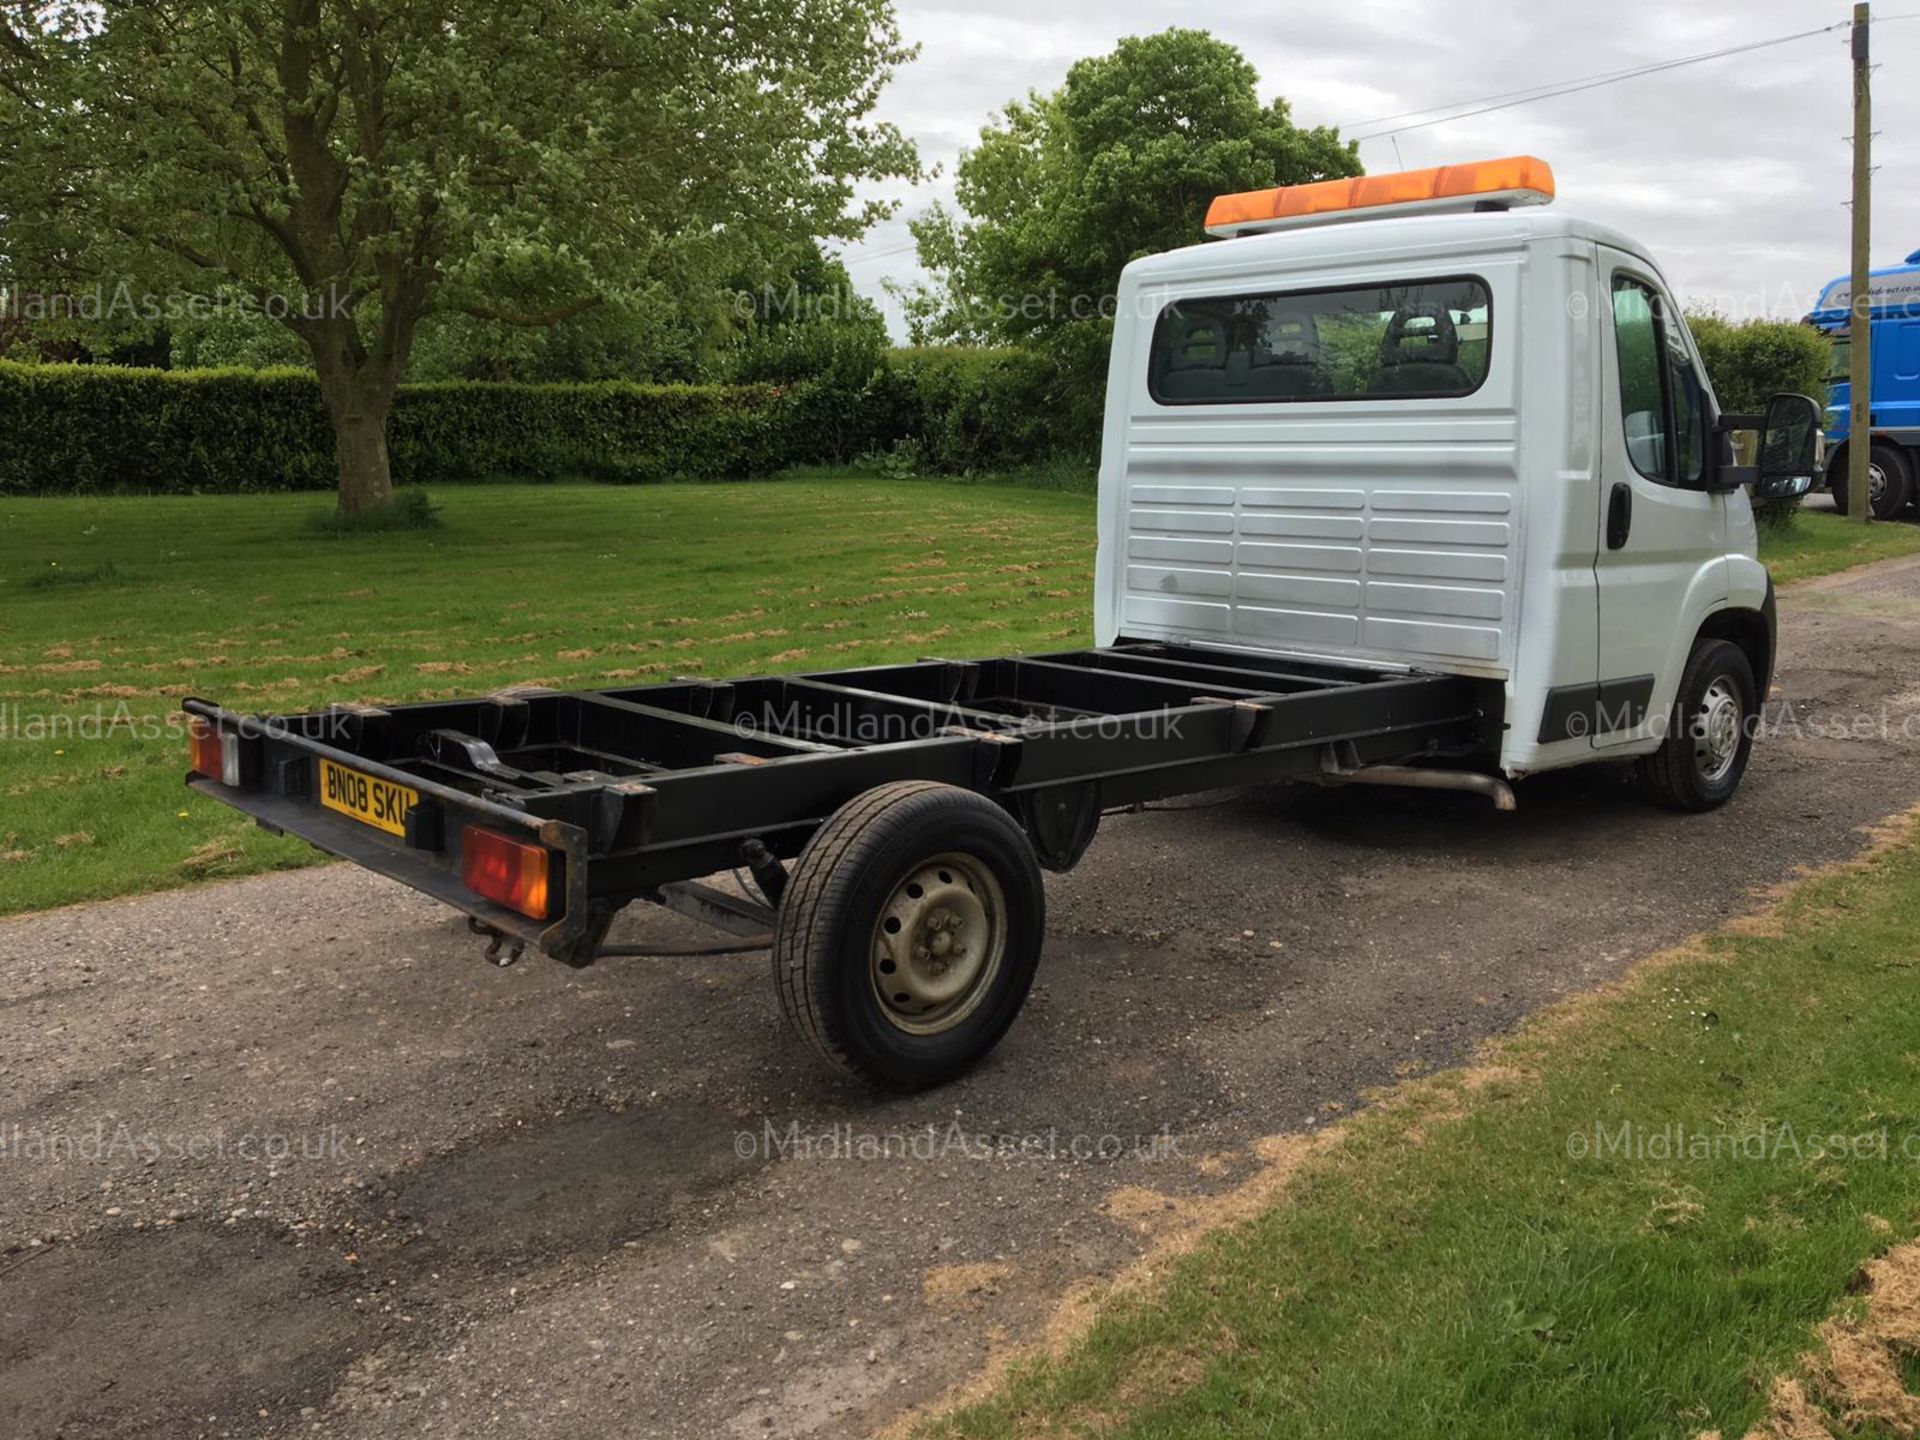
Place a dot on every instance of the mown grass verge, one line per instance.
(1627, 1221)
(1819, 542)
(112, 609)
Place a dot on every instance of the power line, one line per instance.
(878, 255)
(1532, 90)
(1487, 104)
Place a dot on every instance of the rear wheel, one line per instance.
(909, 934)
(1889, 482)
(1709, 732)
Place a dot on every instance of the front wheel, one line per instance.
(1889, 486)
(1709, 731)
(909, 934)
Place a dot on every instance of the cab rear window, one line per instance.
(1419, 340)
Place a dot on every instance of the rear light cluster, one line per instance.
(216, 754)
(508, 871)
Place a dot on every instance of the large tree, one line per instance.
(354, 166)
(1064, 189)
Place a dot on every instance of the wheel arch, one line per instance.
(1835, 462)
(1754, 631)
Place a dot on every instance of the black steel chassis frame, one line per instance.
(637, 790)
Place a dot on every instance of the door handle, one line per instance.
(1619, 515)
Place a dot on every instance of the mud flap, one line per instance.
(1061, 821)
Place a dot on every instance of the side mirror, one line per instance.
(1789, 448)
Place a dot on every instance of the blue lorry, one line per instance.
(1893, 321)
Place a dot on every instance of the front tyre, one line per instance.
(909, 934)
(1709, 732)
(1889, 484)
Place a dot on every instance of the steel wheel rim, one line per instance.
(938, 944)
(1876, 483)
(1716, 740)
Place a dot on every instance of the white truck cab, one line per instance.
(1426, 421)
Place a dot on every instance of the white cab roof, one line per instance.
(1340, 244)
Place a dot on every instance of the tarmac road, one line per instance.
(285, 1156)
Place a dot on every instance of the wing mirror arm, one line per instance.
(1726, 476)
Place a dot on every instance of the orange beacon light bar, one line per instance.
(1516, 180)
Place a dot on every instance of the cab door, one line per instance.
(1661, 557)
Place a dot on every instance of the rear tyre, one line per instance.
(1709, 732)
(1889, 481)
(909, 934)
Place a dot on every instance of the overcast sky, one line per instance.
(1734, 172)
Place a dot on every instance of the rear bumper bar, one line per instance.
(281, 800)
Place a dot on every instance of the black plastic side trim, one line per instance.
(1577, 712)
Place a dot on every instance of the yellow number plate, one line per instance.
(379, 803)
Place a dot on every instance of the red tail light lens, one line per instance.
(220, 754)
(508, 871)
(204, 751)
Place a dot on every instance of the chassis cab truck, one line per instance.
(1406, 480)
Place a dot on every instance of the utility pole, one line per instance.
(1859, 331)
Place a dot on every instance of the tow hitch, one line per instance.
(502, 949)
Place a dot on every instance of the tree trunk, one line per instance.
(360, 442)
(358, 382)
(358, 395)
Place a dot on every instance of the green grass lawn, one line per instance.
(1527, 1256)
(1820, 542)
(113, 609)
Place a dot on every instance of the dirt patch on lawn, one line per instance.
(962, 1285)
(1855, 1379)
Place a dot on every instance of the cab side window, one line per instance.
(1663, 403)
(1642, 386)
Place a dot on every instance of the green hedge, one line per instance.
(1752, 361)
(81, 429)
(608, 430)
(85, 429)
(996, 409)
(967, 411)
(90, 429)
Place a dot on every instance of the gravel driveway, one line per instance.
(284, 1155)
